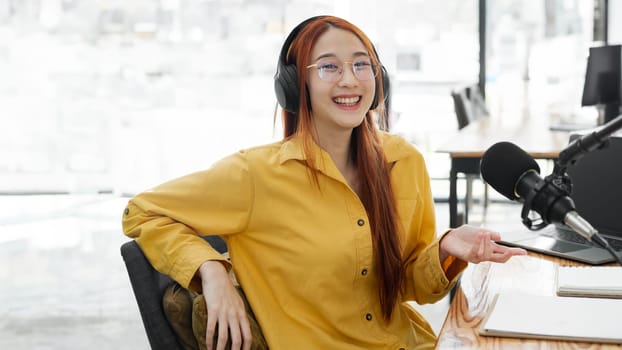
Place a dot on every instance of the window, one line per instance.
(121, 95)
(537, 54)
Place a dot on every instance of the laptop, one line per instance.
(597, 194)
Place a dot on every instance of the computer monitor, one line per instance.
(603, 80)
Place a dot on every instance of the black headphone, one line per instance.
(286, 77)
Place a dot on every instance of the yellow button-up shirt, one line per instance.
(303, 255)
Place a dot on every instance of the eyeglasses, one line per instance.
(332, 69)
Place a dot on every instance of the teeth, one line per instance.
(347, 100)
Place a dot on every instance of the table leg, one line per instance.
(467, 166)
(453, 196)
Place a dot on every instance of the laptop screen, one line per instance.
(597, 187)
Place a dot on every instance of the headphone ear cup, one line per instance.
(286, 87)
(386, 87)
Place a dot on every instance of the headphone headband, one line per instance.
(292, 35)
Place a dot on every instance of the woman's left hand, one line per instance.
(476, 244)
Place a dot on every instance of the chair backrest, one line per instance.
(149, 286)
(469, 104)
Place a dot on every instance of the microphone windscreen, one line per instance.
(502, 166)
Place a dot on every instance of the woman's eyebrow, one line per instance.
(325, 55)
(355, 54)
(360, 53)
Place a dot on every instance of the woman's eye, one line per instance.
(362, 64)
(329, 67)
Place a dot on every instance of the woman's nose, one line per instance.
(347, 76)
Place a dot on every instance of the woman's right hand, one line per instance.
(224, 307)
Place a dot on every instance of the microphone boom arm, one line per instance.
(578, 148)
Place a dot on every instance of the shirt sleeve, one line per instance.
(167, 220)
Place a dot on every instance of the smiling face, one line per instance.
(340, 105)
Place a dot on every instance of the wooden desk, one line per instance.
(531, 274)
(469, 144)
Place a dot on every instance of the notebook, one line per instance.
(589, 281)
(551, 317)
(597, 194)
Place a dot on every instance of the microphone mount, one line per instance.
(550, 196)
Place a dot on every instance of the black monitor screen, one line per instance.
(602, 77)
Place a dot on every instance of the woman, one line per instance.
(329, 231)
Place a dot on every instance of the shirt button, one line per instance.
(364, 272)
(126, 211)
(368, 317)
(361, 222)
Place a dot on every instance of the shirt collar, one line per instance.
(395, 148)
(292, 149)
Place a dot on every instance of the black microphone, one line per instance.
(516, 175)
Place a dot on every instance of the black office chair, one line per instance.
(149, 286)
(469, 105)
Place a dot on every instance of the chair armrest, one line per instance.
(149, 286)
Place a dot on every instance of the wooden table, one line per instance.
(531, 274)
(469, 144)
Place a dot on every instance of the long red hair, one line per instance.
(367, 153)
